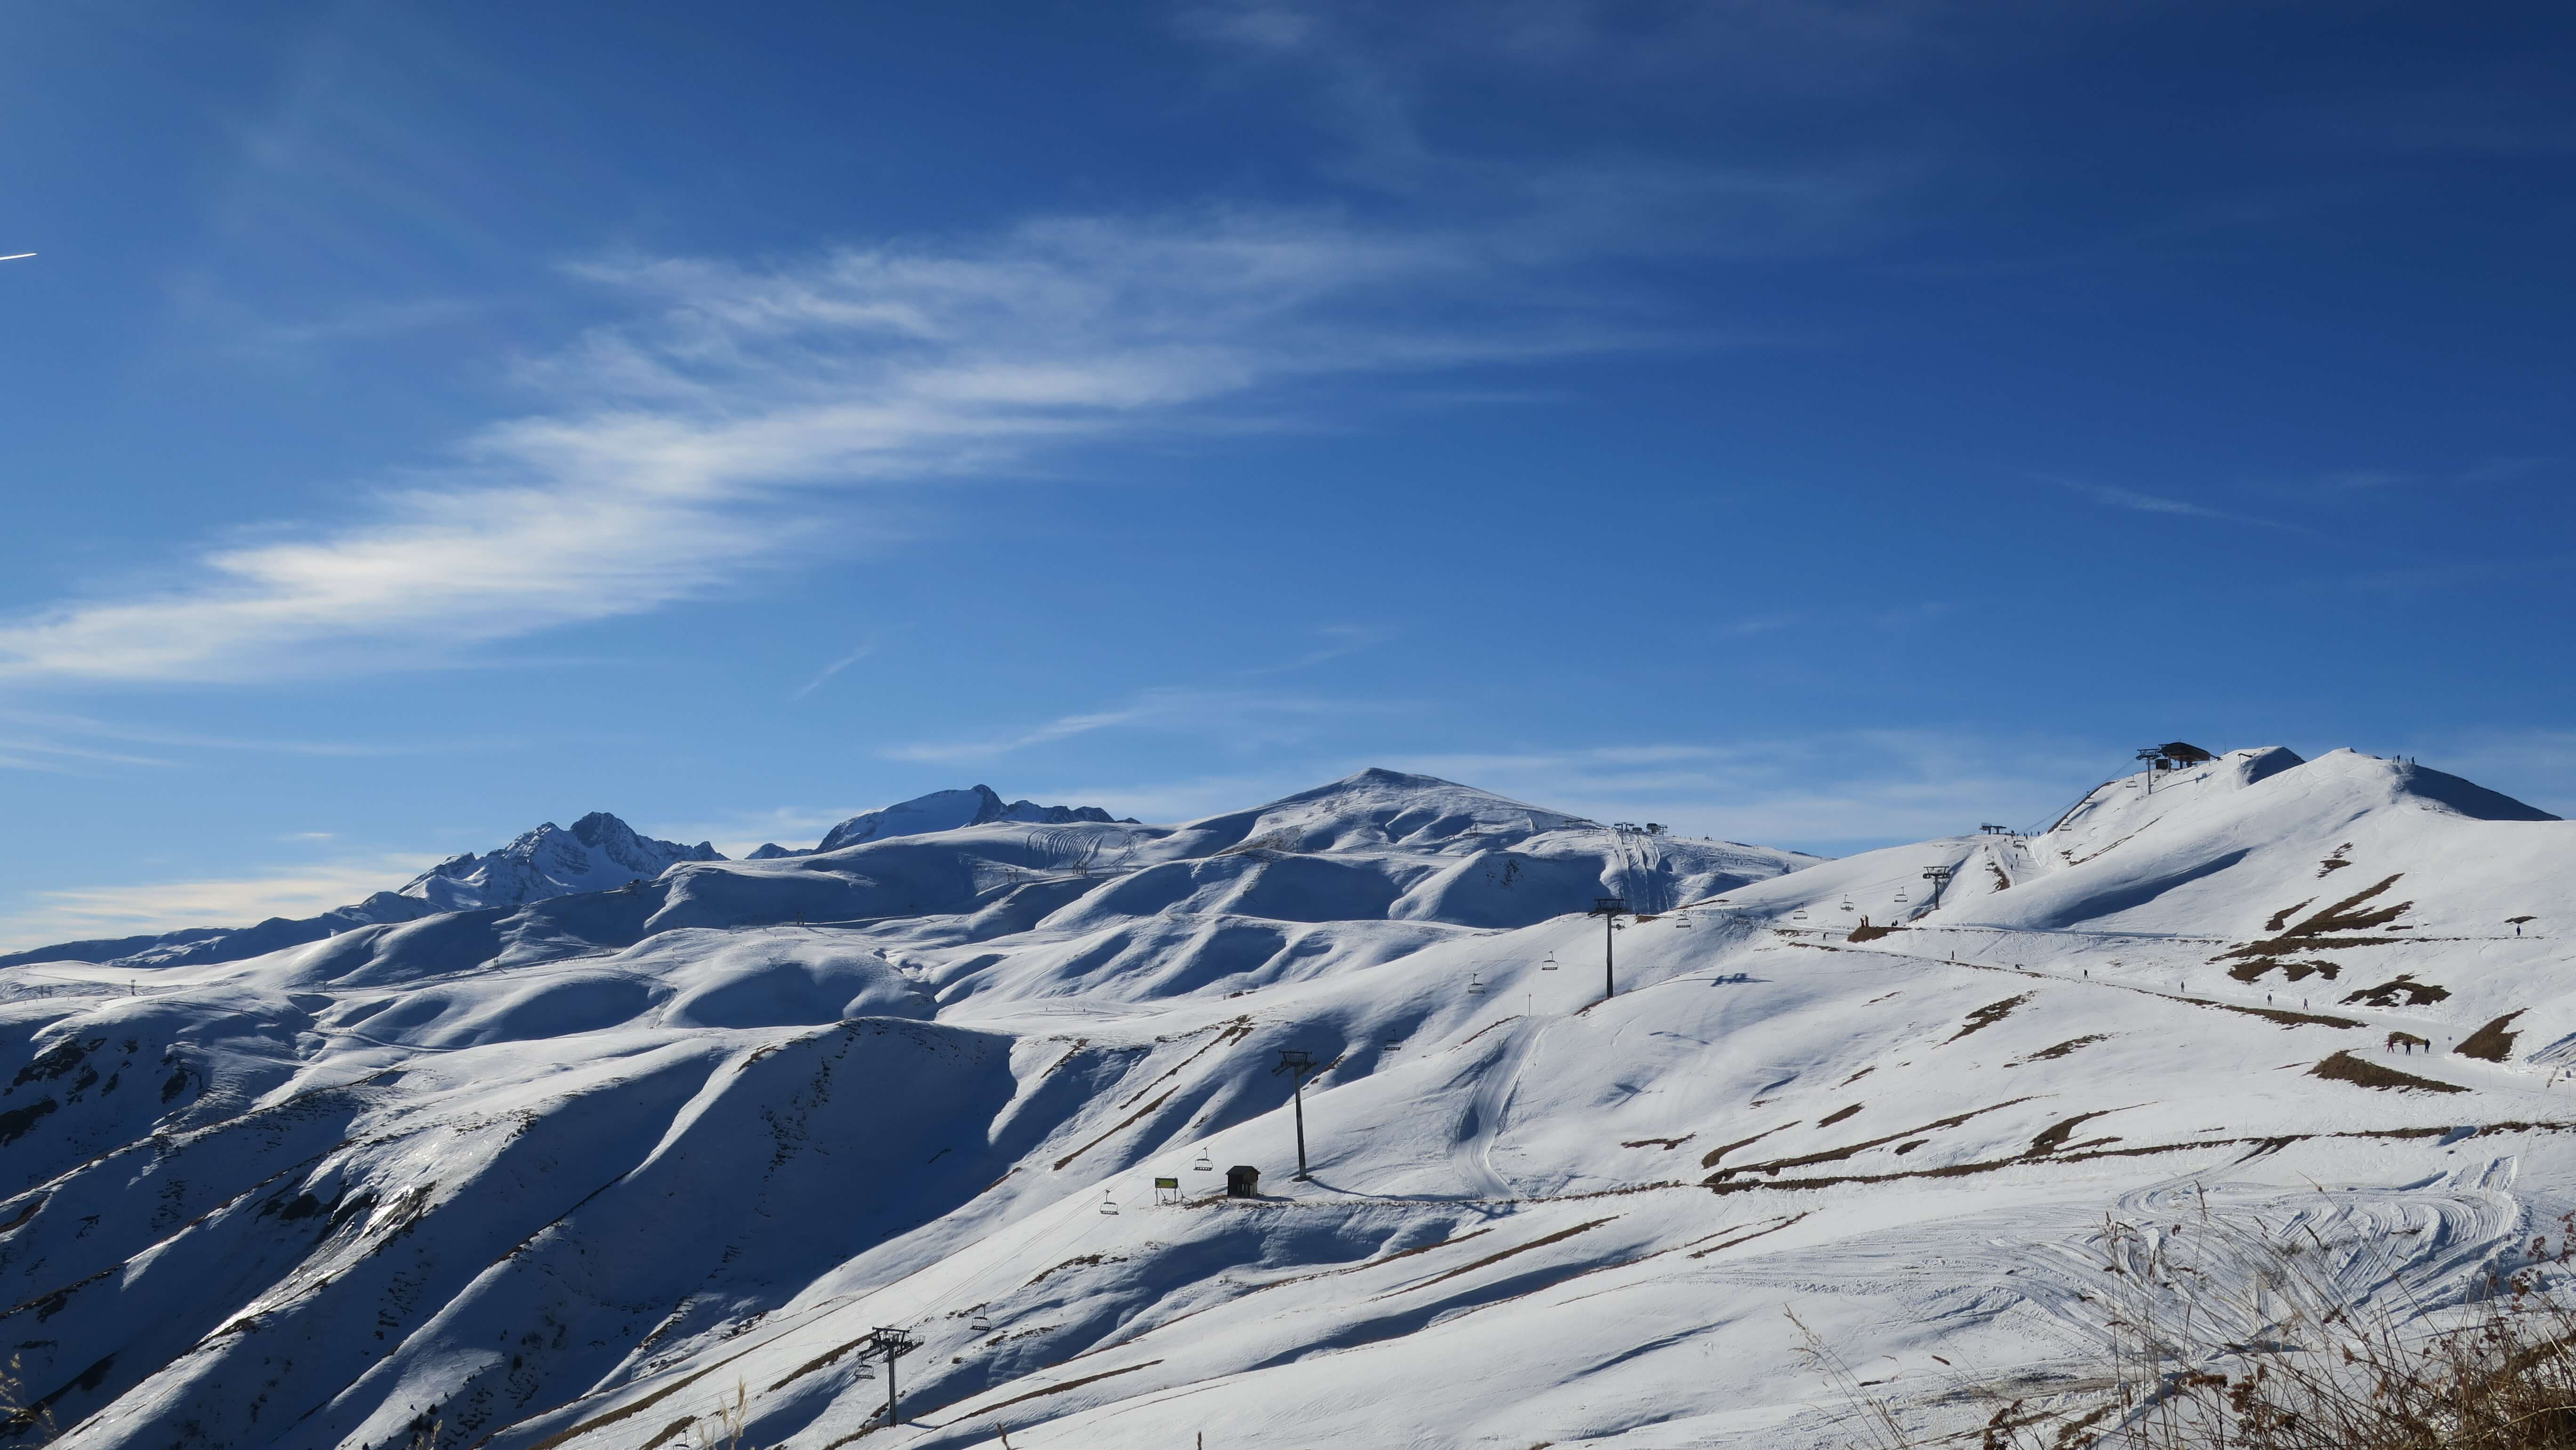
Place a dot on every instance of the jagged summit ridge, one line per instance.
(598, 853)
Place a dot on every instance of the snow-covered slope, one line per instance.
(575, 1173)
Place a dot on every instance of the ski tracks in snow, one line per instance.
(1499, 1077)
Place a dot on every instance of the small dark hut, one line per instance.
(2185, 752)
(1243, 1181)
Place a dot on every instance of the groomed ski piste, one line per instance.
(582, 1172)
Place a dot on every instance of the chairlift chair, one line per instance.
(1847, 903)
(1108, 1205)
(1798, 915)
(866, 1369)
(1550, 964)
(1204, 1164)
(1681, 921)
(982, 1323)
(1475, 986)
(1901, 897)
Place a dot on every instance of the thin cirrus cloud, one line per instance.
(1834, 792)
(2113, 496)
(1244, 718)
(685, 448)
(834, 668)
(47, 727)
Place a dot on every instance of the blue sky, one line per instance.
(1820, 425)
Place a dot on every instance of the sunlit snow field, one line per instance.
(574, 1171)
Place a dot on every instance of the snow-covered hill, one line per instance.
(573, 1173)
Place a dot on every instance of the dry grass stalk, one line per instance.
(2223, 1334)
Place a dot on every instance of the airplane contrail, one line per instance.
(16, 256)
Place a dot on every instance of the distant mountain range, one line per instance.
(1586, 1116)
(1575, 1119)
(599, 853)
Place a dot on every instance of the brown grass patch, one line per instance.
(2281, 1015)
(1709, 1159)
(2346, 915)
(2296, 971)
(2054, 1136)
(2403, 985)
(1988, 1016)
(1836, 1155)
(2046, 1054)
(1495, 1258)
(2344, 1067)
(2493, 1042)
(1059, 1389)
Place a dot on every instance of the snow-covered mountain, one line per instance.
(227, 944)
(950, 810)
(941, 810)
(576, 1173)
(599, 853)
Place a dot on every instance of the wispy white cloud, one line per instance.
(52, 725)
(1763, 624)
(682, 449)
(2113, 496)
(834, 668)
(53, 757)
(77, 913)
(1346, 639)
(1832, 791)
(2488, 472)
(1243, 718)
(2145, 503)
(738, 833)
(2514, 469)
